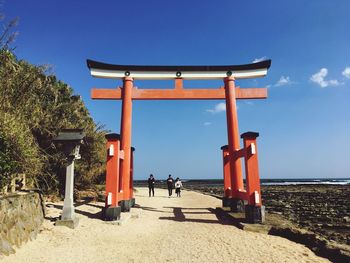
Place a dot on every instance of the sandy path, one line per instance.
(161, 229)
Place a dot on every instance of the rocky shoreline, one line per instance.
(322, 209)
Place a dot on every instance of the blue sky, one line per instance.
(304, 124)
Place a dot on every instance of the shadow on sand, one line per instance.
(181, 212)
(97, 215)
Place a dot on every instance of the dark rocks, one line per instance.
(323, 209)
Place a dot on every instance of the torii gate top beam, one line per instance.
(104, 70)
(178, 73)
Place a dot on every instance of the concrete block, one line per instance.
(112, 213)
(125, 205)
(237, 205)
(255, 214)
(226, 202)
(71, 223)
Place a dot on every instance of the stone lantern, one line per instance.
(70, 139)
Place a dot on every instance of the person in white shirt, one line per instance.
(178, 186)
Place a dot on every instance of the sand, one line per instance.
(159, 229)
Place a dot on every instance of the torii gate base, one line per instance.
(115, 200)
(240, 200)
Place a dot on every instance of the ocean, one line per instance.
(299, 181)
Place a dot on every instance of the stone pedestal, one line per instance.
(132, 202)
(112, 213)
(68, 217)
(226, 202)
(125, 205)
(255, 214)
(237, 205)
(71, 223)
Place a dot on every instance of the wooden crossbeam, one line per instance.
(113, 71)
(178, 94)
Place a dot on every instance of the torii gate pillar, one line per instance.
(233, 145)
(125, 146)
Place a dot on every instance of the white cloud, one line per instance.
(333, 82)
(319, 78)
(207, 123)
(283, 81)
(346, 73)
(259, 59)
(220, 107)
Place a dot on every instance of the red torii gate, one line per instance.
(119, 156)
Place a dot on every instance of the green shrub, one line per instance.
(18, 150)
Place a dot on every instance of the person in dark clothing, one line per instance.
(170, 183)
(151, 182)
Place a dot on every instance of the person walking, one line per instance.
(178, 186)
(170, 183)
(151, 182)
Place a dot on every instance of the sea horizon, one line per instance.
(271, 181)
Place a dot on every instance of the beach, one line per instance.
(158, 229)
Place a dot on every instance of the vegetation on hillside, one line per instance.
(34, 107)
